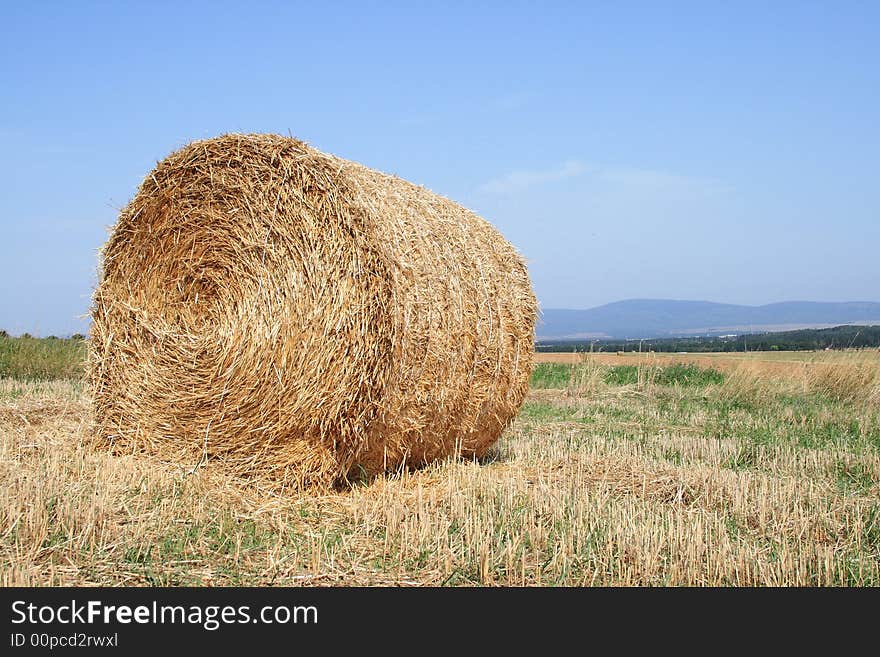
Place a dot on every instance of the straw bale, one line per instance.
(302, 319)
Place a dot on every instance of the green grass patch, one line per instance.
(689, 376)
(621, 375)
(745, 457)
(854, 477)
(546, 412)
(559, 375)
(809, 421)
(551, 375)
(871, 527)
(42, 359)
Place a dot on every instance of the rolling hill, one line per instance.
(650, 318)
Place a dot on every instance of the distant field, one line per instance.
(727, 469)
(777, 363)
(716, 357)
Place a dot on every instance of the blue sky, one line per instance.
(718, 151)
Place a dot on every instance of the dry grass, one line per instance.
(748, 482)
(304, 319)
(845, 375)
(41, 359)
(779, 363)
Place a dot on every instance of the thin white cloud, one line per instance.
(519, 180)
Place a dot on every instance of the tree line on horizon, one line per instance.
(839, 337)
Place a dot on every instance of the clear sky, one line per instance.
(723, 151)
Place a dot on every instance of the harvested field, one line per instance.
(606, 478)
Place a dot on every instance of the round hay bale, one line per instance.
(303, 319)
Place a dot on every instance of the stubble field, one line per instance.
(619, 470)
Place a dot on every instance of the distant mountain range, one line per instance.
(654, 318)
